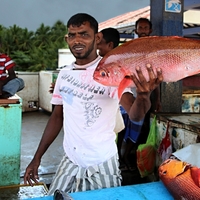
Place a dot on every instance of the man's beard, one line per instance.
(143, 35)
(79, 56)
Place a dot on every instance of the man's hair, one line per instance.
(111, 35)
(80, 18)
(143, 19)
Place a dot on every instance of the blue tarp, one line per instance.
(147, 191)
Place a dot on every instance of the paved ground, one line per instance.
(33, 124)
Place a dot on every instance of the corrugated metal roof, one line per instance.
(125, 19)
(125, 24)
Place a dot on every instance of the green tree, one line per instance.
(15, 32)
(58, 30)
(42, 36)
(22, 60)
(33, 51)
(26, 41)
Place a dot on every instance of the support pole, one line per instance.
(167, 20)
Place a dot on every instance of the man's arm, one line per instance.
(51, 131)
(11, 75)
(157, 99)
(138, 107)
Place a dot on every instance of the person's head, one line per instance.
(143, 27)
(109, 41)
(82, 37)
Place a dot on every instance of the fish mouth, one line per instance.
(178, 168)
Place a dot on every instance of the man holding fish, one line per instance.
(87, 110)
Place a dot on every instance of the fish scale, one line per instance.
(183, 186)
(177, 57)
(181, 179)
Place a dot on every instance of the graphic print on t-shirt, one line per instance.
(92, 112)
(76, 86)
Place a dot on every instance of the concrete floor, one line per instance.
(33, 125)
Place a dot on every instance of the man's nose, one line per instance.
(77, 39)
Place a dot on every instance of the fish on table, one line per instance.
(181, 179)
(177, 57)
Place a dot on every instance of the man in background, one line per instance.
(143, 27)
(109, 41)
(9, 83)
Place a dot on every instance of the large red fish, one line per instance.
(181, 179)
(177, 57)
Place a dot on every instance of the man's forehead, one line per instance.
(143, 23)
(79, 25)
(103, 41)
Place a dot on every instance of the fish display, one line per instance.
(181, 179)
(177, 57)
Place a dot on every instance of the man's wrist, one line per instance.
(145, 95)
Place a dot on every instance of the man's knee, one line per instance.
(21, 84)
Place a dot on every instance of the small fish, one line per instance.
(181, 179)
(60, 195)
(177, 57)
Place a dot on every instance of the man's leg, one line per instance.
(72, 178)
(12, 87)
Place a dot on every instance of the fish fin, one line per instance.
(195, 173)
(126, 82)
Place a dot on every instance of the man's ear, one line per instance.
(150, 31)
(99, 37)
(66, 38)
(111, 45)
(136, 31)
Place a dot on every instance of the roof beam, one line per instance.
(189, 31)
(127, 36)
(191, 4)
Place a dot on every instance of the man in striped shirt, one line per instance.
(9, 83)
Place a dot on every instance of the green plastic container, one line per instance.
(10, 143)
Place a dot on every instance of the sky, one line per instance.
(31, 14)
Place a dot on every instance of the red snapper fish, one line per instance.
(177, 57)
(181, 179)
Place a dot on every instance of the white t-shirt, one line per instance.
(89, 115)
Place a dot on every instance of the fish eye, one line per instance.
(165, 172)
(103, 73)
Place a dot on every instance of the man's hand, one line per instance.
(146, 87)
(139, 106)
(31, 173)
(52, 88)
